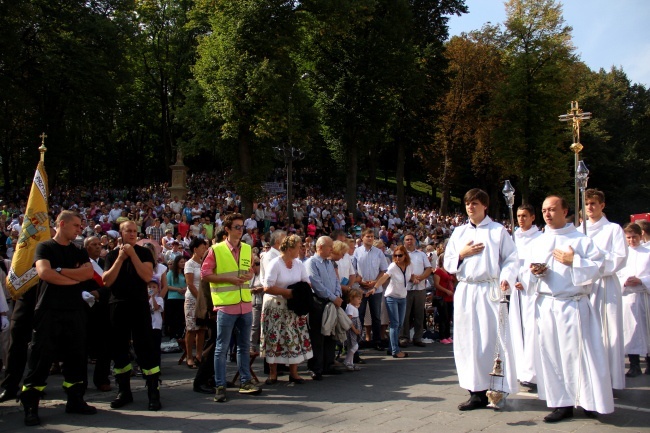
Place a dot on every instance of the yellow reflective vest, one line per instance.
(224, 294)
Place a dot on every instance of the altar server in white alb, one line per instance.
(572, 368)
(635, 279)
(606, 296)
(522, 302)
(483, 256)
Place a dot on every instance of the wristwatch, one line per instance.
(58, 270)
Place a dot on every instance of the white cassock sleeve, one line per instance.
(509, 260)
(587, 261)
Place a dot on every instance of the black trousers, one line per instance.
(58, 334)
(174, 317)
(132, 321)
(206, 368)
(445, 314)
(98, 332)
(324, 348)
(20, 334)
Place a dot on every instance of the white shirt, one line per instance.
(194, 268)
(397, 285)
(419, 262)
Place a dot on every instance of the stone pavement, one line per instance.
(418, 394)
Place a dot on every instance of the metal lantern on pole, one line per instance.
(509, 194)
(582, 176)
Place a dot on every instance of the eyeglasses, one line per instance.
(238, 227)
(257, 263)
(398, 255)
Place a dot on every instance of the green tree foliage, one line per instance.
(249, 80)
(614, 140)
(465, 125)
(538, 55)
(59, 63)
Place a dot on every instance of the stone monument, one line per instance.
(179, 177)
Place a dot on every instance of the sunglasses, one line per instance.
(238, 227)
(257, 263)
(398, 255)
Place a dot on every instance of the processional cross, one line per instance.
(576, 116)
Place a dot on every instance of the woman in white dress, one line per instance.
(285, 337)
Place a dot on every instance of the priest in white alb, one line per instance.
(572, 369)
(483, 256)
(635, 279)
(522, 303)
(606, 297)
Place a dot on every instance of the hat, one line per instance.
(155, 279)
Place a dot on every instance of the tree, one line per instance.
(464, 128)
(538, 55)
(247, 75)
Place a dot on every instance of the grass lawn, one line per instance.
(420, 187)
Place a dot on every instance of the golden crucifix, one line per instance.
(576, 116)
(42, 149)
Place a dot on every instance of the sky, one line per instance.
(605, 33)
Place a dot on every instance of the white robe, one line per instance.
(636, 300)
(606, 297)
(571, 367)
(522, 313)
(476, 305)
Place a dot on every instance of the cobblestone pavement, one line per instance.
(418, 394)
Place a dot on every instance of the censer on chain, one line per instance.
(497, 397)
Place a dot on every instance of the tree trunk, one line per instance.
(351, 178)
(444, 184)
(372, 169)
(399, 178)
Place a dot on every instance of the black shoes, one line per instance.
(532, 387)
(204, 389)
(76, 403)
(8, 394)
(419, 344)
(590, 413)
(316, 376)
(123, 398)
(477, 400)
(559, 413)
(80, 407)
(153, 392)
(634, 371)
(297, 381)
(29, 399)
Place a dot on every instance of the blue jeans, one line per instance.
(396, 310)
(375, 314)
(225, 325)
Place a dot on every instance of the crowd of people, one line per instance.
(140, 265)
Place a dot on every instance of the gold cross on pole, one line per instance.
(576, 116)
(43, 149)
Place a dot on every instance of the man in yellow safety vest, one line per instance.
(227, 268)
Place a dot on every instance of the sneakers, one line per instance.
(248, 388)
(220, 396)
(446, 341)
(352, 367)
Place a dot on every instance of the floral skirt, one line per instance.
(190, 315)
(285, 337)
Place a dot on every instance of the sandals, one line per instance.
(192, 366)
(270, 381)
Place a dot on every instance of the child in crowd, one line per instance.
(354, 333)
(157, 306)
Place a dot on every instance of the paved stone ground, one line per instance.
(418, 394)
